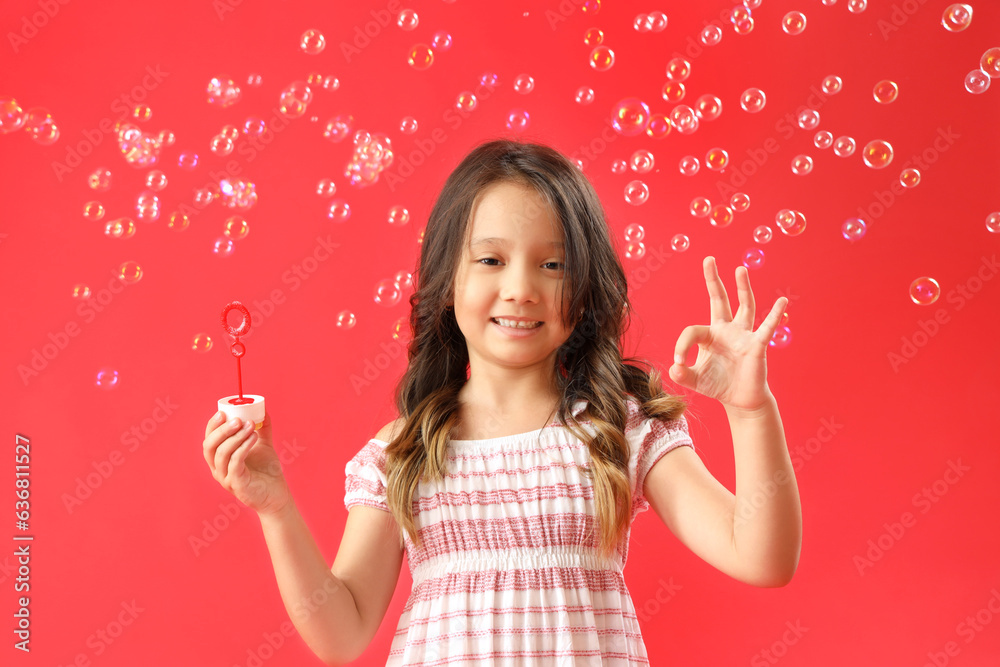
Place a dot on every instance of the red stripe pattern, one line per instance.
(508, 572)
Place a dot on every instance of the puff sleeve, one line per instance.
(365, 482)
(651, 441)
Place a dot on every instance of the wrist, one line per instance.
(767, 407)
(279, 515)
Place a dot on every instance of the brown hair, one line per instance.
(590, 362)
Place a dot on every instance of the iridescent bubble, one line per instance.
(201, 342)
(924, 291)
(708, 107)
(689, 165)
(202, 197)
(326, 188)
(659, 21)
(659, 126)
(387, 292)
(989, 63)
(254, 80)
(673, 91)
(700, 207)
(762, 234)
(339, 211)
(187, 160)
(591, 6)
(407, 19)
(635, 250)
(330, 83)
(636, 193)
(823, 139)
(793, 23)
(721, 216)
(844, 146)
(977, 82)
(857, 6)
(781, 337)
(753, 100)
(584, 95)
(678, 69)
(790, 222)
(230, 132)
(619, 167)
(408, 125)
(81, 291)
(957, 17)
(680, 243)
(993, 222)
(345, 319)
(832, 85)
(602, 58)
(641, 161)
(142, 113)
(909, 178)
(738, 13)
(711, 35)
(398, 216)
(221, 145)
(166, 138)
(630, 116)
(593, 37)
(853, 229)
(489, 80)
(524, 83)
(312, 42)
(223, 247)
(40, 126)
(744, 26)
(802, 165)
(885, 91)
(11, 115)
(808, 119)
(739, 202)
(753, 258)
(222, 92)
(684, 119)
(634, 232)
(466, 101)
(420, 57)
(93, 211)
(253, 126)
(642, 23)
(130, 272)
(99, 179)
(877, 154)
(107, 379)
(236, 227)
(518, 120)
(178, 221)
(717, 159)
(338, 127)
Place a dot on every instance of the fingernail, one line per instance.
(234, 421)
(219, 415)
(678, 359)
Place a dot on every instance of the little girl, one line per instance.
(526, 445)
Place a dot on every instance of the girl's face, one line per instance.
(512, 267)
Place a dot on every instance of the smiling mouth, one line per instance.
(510, 324)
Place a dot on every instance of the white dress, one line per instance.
(508, 572)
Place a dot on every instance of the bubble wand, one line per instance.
(250, 406)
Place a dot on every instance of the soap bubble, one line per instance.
(236, 227)
(721, 215)
(524, 83)
(717, 159)
(602, 58)
(823, 139)
(339, 211)
(254, 126)
(993, 222)
(762, 234)
(591, 6)
(129, 272)
(345, 319)
(619, 167)
(387, 292)
(178, 221)
(107, 379)
(877, 154)
(636, 193)
(420, 57)
(634, 232)
(753, 100)
(201, 342)
(466, 101)
(407, 19)
(711, 35)
(753, 258)
(977, 82)
(844, 146)
(659, 126)
(708, 107)
(408, 125)
(924, 291)
(957, 17)
(684, 119)
(673, 91)
(81, 291)
(338, 127)
(791, 222)
(642, 23)
(793, 23)
(593, 36)
(641, 161)
(93, 211)
(680, 243)
(781, 337)
(700, 207)
(744, 26)
(630, 116)
(659, 21)
(584, 95)
(222, 92)
(11, 115)
(142, 113)
(518, 120)
(857, 6)
(853, 229)
(689, 165)
(41, 127)
(635, 250)
(909, 178)
(330, 83)
(739, 202)
(989, 63)
(441, 40)
(99, 179)
(885, 91)
(808, 119)
(678, 69)
(312, 42)
(802, 165)
(832, 84)
(223, 247)
(187, 160)
(221, 145)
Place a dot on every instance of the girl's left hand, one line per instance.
(730, 366)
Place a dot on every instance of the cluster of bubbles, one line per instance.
(719, 215)
(37, 122)
(237, 193)
(978, 80)
(389, 291)
(140, 149)
(372, 155)
(223, 92)
(651, 22)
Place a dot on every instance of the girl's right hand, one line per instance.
(245, 464)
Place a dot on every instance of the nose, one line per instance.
(519, 283)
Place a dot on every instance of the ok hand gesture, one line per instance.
(730, 366)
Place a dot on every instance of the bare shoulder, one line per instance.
(390, 430)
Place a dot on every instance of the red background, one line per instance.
(898, 426)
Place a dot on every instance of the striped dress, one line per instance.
(508, 572)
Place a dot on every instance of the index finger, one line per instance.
(217, 420)
(718, 298)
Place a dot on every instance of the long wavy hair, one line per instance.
(590, 365)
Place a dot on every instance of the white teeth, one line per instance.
(515, 324)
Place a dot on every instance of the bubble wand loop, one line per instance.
(251, 406)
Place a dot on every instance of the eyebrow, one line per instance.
(494, 240)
